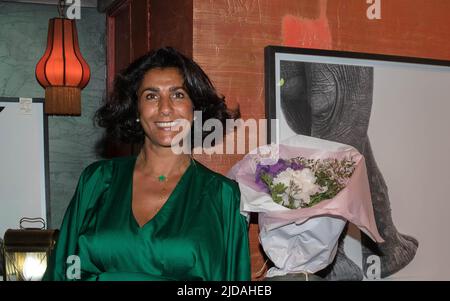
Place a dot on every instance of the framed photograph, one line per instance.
(24, 164)
(394, 111)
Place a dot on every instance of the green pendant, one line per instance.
(162, 178)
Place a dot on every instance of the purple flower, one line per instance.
(273, 170)
(296, 166)
(278, 167)
(260, 169)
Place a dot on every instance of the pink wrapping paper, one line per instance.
(353, 203)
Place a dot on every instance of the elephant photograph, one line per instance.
(349, 100)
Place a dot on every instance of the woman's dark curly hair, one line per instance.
(118, 115)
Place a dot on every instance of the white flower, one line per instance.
(297, 203)
(305, 176)
(304, 185)
(285, 177)
(306, 182)
(285, 198)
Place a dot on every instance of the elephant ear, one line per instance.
(294, 101)
(340, 98)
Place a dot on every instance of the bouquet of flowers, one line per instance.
(301, 182)
(305, 190)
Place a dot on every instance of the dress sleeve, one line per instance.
(237, 243)
(90, 186)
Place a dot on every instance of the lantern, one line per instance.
(25, 253)
(62, 71)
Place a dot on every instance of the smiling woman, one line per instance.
(162, 102)
(158, 215)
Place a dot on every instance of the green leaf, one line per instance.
(278, 188)
(266, 179)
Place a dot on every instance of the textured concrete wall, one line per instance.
(23, 36)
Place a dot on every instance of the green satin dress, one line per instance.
(199, 233)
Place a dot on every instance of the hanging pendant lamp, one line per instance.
(62, 71)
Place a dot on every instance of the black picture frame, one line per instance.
(269, 69)
(278, 60)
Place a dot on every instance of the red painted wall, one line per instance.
(229, 37)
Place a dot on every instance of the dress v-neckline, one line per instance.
(166, 203)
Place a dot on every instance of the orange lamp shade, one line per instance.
(62, 71)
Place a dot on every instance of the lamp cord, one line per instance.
(61, 8)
